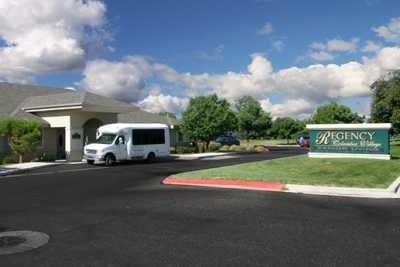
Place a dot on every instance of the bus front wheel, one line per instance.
(109, 160)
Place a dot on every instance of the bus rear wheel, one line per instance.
(151, 157)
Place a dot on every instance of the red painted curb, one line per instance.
(257, 185)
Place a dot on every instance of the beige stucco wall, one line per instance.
(73, 121)
(59, 119)
(78, 119)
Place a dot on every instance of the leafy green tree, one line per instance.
(167, 114)
(23, 135)
(286, 128)
(385, 105)
(335, 113)
(206, 118)
(252, 120)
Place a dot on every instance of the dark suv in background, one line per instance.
(227, 140)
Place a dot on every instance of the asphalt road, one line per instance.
(123, 216)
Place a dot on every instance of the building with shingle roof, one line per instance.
(69, 118)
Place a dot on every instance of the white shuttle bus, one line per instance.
(128, 141)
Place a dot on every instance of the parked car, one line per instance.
(123, 141)
(304, 141)
(227, 140)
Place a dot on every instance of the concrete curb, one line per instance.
(374, 193)
(395, 186)
(232, 184)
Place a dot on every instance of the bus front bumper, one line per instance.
(94, 158)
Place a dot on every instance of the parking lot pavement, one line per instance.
(231, 159)
(124, 216)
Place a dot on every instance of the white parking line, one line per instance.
(51, 172)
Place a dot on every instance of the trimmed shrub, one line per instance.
(236, 148)
(200, 148)
(261, 149)
(250, 148)
(185, 150)
(225, 148)
(214, 147)
(8, 160)
(47, 157)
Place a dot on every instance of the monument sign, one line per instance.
(369, 140)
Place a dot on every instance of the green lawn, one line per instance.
(303, 170)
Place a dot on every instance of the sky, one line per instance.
(291, 55)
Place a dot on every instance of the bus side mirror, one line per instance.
(120, 140)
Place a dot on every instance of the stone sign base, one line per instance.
(345, 155)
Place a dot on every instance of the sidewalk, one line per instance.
(21, 167)
(341, 191)
(208, 155)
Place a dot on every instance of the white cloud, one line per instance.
(340, 45)
(279, 45)
(125, 80)
(387, 59)
(321, 56)
(313, 84)
(47, 35)
(371, 47)
(316, 83)
(157, 103)
(267, 29)
(298, 108)
(329, 50)
(389, 32)
(336, 45)
(317, 46)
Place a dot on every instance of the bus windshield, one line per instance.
(106, 139)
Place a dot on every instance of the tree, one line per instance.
(286, 128)
(206, 118)
(167, 114)
(335, 113)
(385, 106)
(23, 135)
(252, 120)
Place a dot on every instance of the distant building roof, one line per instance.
(83, 99)
(17, 100)
(140, 116)
(18, 113)
(12, 95)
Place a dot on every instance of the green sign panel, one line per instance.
(349, 141)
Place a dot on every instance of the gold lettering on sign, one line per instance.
(354, 135)
(339, 137)
(371, 135)
(322, 138)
